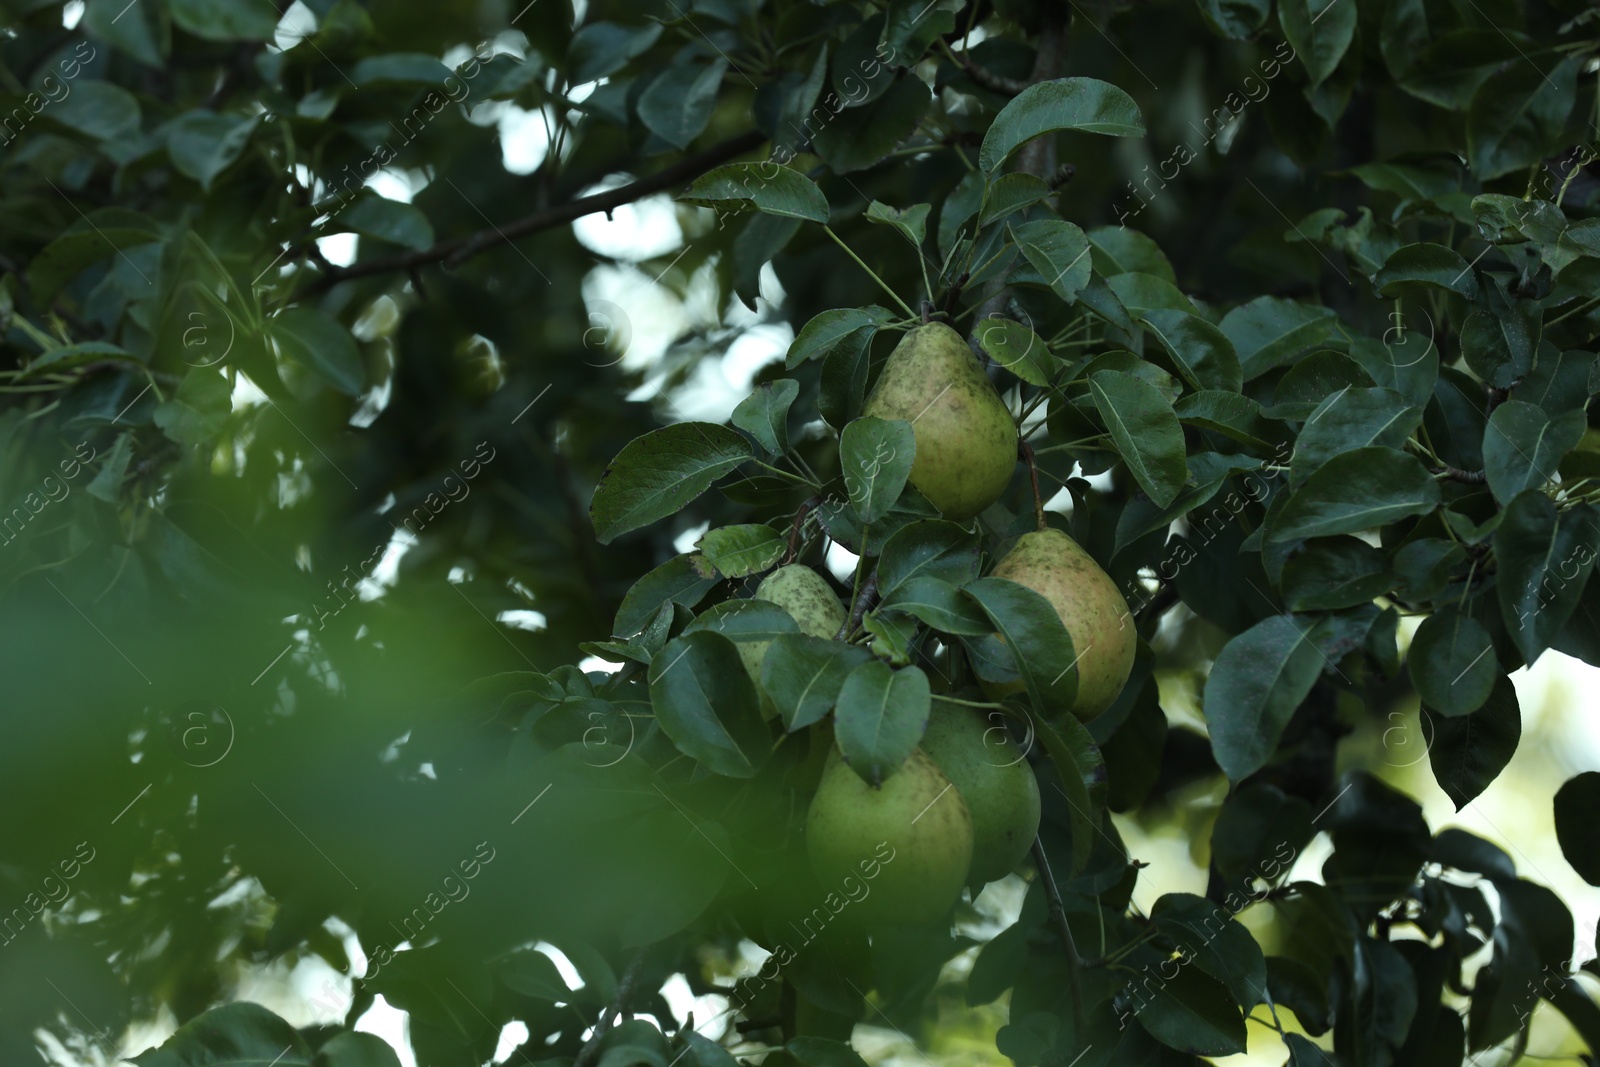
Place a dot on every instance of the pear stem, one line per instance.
(871, 273)
(864, 600)
(1025, 452)
(1058, 912)
(799, 522)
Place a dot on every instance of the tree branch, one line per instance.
(1058, 912)
(458, 249)
(864, 601)
(619, 1006)
(1470, 477)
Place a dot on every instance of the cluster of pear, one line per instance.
(966, 454)
(963, 810)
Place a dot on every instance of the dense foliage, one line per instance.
(1294, 305)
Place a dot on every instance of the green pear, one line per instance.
(808, 598)
(1090, 606)
(966, 439)
(994, 779)
(908, 841)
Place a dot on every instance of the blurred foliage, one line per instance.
(1287, 273)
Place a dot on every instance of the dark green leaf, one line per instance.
(1577, 829)
(764, 414)
(1320, 31)
(875, 457)
(1516, 116)
(1523, 446)
(602, 48)
(1349, 419)
(1333, 573)
(318, 342)
(1210, 937)
(931, 548)
(1468, 753)
(237, 1033)
(1119, 250)
(1039, 643)
(387, 220)
(1355, 491)
(226, 20)
(682, 580)
(1146, 432)
(1203, 354)
(1010, 193)
(1064, 104)
(819, 336)
(1058, 252)
(1425, 266)
(1255, 685)
(803, 675)
(1452, 663)
(764, 187)
(1193, 1013)
(203, 144)
(823, 1052)
(352, 1049)
(740, 550)
(98, 109)
(659, 473)
(197, 412)
(706, 703)
(879, 718)
(939, 604)
(859, 137)
(677, 105)
(1269, 331)
(1016, 348)
(912, 222)
(1545, 557)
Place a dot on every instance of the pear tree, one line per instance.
(740, 532)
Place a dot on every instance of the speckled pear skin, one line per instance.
(966, 439)
(1090, 606)
(909, 841)
(994, 779)
(806, 596)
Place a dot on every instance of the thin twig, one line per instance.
(864, 602)
(455, 250)
(1058, 912)
(1025, 453)
(799, 522)
(1470, 477)
(619, 1006)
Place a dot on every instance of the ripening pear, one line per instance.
(1090, 606)
(808, 598)
(908, 840)
(966, 439)
(994, 779)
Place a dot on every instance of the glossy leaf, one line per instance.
(879, 717)
(657, 474)
(1064, 104)
(706, 703)
(1255, 685)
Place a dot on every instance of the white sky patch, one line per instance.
(716, 386)
(390, 1023)
(246, 393)
(841, 561)
(513, 1035)
(595, 663)
(683, 1003)
(644, 229)
(655, 317)
(523, 619)
(685, 541)
(71, 14)
(392, 184)
(297, 23)
(524, 139)
(339, 248)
